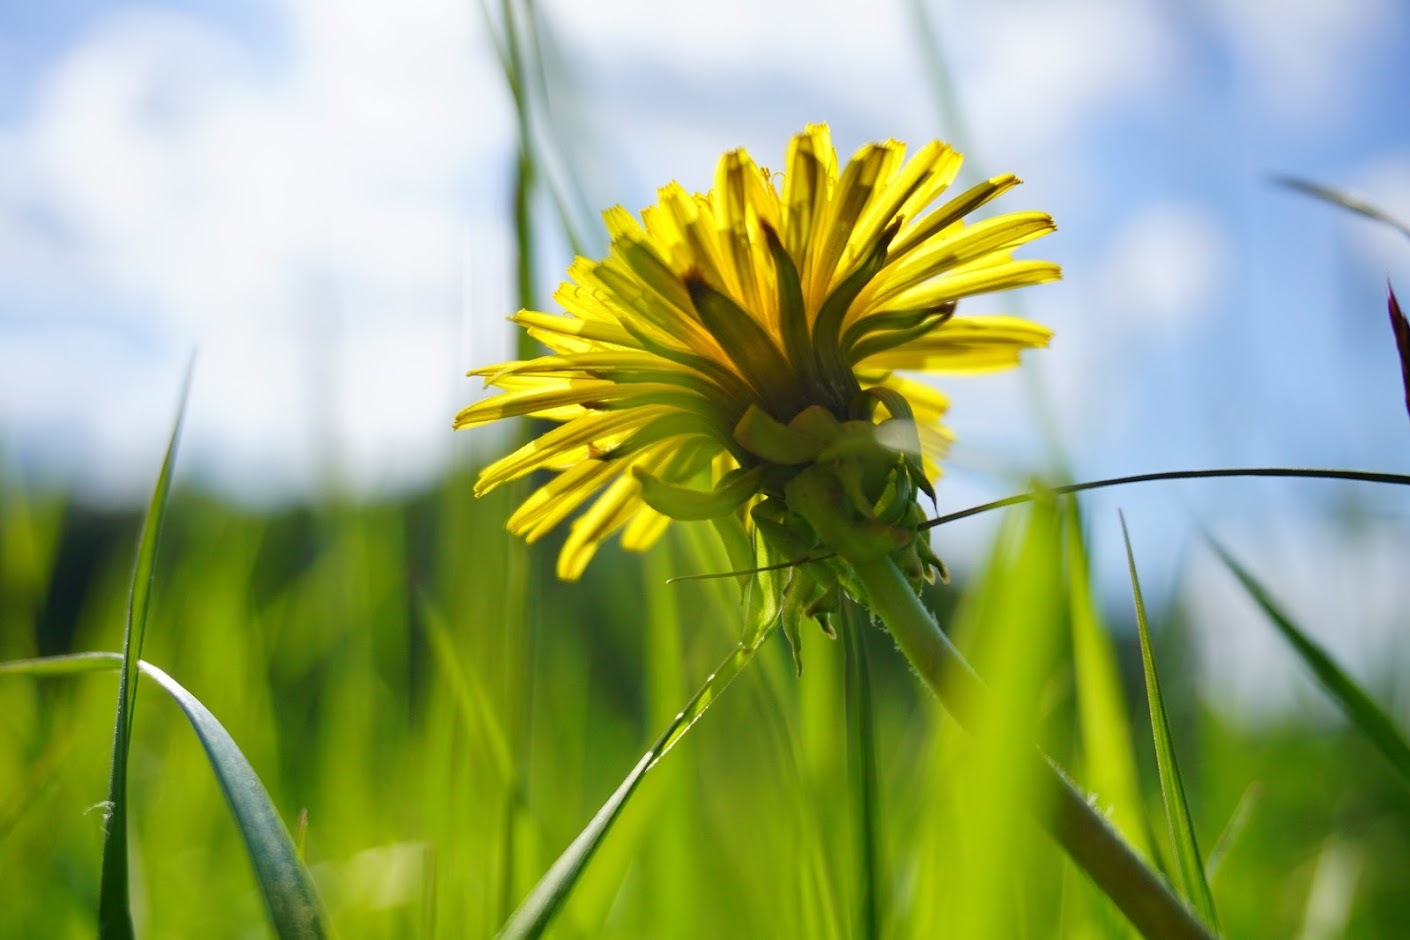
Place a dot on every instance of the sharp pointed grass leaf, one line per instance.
(1189, 864)
(295, 911)
(1233, 829)
(114, 904)
(1353, 700)
(538, 909)
(477, 709)
(1108, 754)
(69, 664)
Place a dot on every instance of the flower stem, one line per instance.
(1141, 895)
(861, 752)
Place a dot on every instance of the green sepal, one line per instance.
(775, 442)
(792, 622)
(828, 602)
(686, 504)
(748, 346)
(735, 539)
(891, 328)
(784, 531)
(897, 501)
(927, 555)
(819, 497)
(792, 313)
(731, 387)
(903, 422)
(811, 595)
(643, 260)
(816, 422)
(837, 375)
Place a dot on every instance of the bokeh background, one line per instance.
(315, 198)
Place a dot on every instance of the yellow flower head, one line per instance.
(729, 339)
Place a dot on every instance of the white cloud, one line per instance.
(1034, 71)
(1164, 267)
(166, 193)
(1304, 59)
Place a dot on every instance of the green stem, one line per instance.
(861, 753)
(1085, 835)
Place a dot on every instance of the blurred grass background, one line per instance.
(444, 754)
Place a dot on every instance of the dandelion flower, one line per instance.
(731, 340)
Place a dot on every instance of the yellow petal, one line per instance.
(917, 234)
(578, 438)
(809, 177)
(951, 252)
(965, 345)
(556, 500)
(835, 250)
(556, 393)
(985, 276)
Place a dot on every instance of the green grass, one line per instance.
(359, 657)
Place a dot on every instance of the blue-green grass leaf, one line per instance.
(290, 897)
(114, 904)
(1189, 865)
(1353, 700)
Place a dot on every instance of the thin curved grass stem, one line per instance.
(1305, 473)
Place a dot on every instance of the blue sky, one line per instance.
(314, 195)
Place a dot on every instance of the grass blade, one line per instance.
(1233, 829)
(479, 712)
(114, 905)
(534, 914)
(1108, 754)
(289, 894)
(1189, 864)
(1359, 707)
(288, 890)
(1338, 197)
(1298, 473)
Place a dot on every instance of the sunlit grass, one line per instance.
(313, 640)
